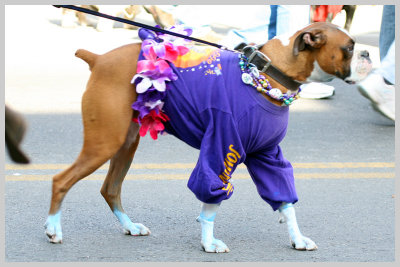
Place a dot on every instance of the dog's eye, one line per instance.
(350, 49)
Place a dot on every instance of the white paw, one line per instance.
(53, 228)
(53, 232)
(303, 243)
(215, 246)
(54, 238)
(136, 229)
(129, 227)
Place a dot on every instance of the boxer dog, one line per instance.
(230, 126)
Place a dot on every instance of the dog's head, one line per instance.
(332, 49)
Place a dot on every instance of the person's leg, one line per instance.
(387, 69)
(387, 33)
(291, 18)
(255, 29)
(378, 86)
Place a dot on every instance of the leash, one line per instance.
(141, 25)
(261, 61)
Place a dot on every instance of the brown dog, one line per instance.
(319, 52)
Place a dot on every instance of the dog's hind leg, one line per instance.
(208, 241)
(111, 189)
(88, 161)
(106, 115)
(95, 152)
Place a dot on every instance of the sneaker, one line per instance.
(381, 95)
(316, 90)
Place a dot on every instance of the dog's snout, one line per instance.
(364, 53)
(343, 75)
(349, 80)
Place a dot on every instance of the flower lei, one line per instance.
(152, 74)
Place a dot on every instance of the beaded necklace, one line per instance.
(252, 76)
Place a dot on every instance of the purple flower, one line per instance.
(146, 34)
(147, 101)
(177, 41)
(153, 74)
(153, 49)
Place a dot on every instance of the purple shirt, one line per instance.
(211, 109)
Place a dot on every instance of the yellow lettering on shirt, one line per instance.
(228, 188)
(230, 161)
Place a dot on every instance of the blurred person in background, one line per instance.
(15, 127)
(379, 87)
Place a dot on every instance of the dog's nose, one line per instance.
(345, 74)
(364, 53)
(349, 80)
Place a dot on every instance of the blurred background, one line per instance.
(40, 39)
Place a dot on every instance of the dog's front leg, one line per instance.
(208, 241)
(297, 240)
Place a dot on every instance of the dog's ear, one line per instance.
(311, 38)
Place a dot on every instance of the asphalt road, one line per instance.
(342, 150)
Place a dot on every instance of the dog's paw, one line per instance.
(215, 246)
(53, 228)
(303, 243)
(53, 232)
(129, 227)
(136, 229)
(54, 238)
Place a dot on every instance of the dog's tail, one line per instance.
(87, 56)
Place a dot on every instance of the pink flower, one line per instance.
(152, 122)
(152, 50)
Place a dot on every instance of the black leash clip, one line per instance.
(257, 58)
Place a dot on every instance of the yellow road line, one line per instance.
(343, 165)
(144, 166)
(103, 167)
(344, 175)
(183, 176)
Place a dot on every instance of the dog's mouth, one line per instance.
(361, 66)
(349, 81)
(344, 76)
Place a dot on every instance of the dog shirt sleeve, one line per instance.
(220, 152)
(273, 176)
